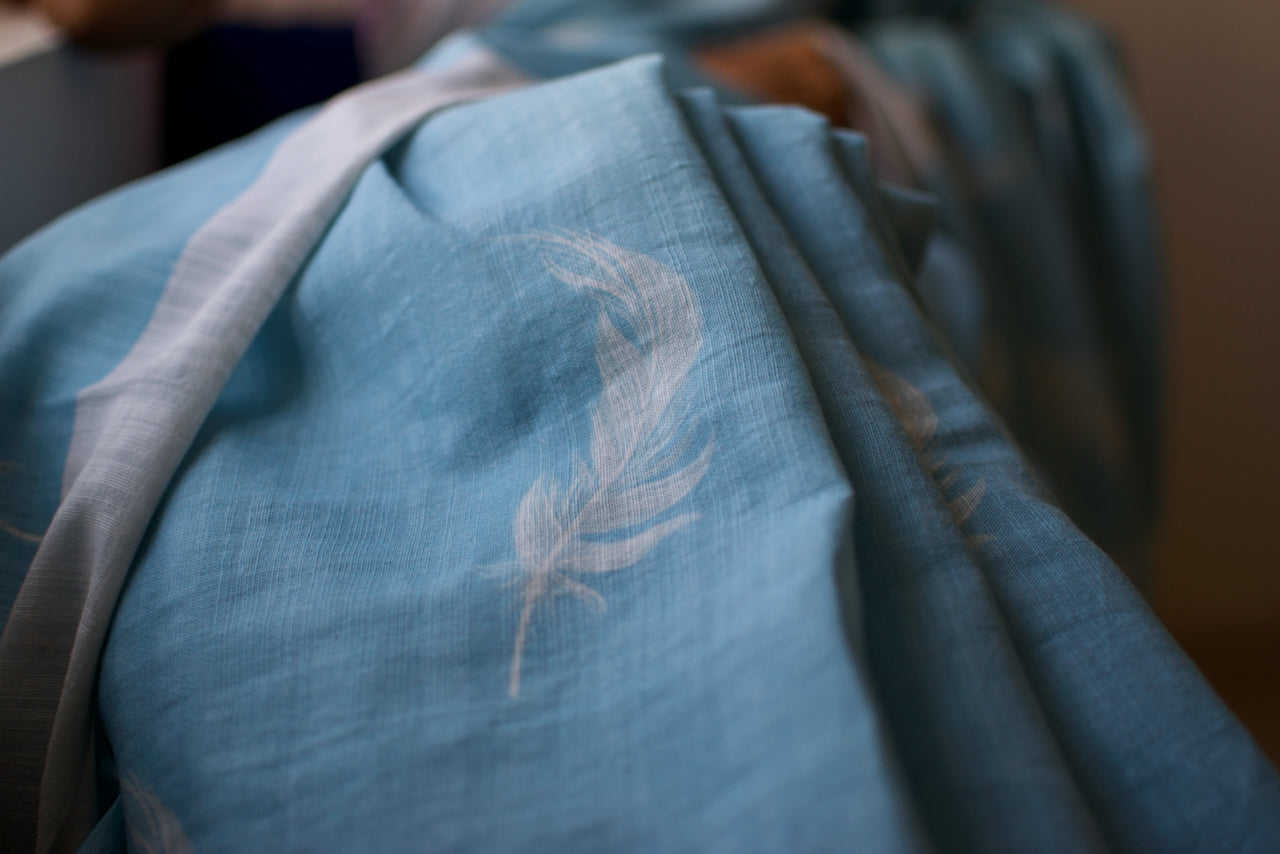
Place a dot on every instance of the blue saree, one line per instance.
(476, 464)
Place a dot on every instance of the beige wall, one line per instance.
(1208, 79)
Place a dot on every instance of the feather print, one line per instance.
(149, 824)
(921, 425)
(642, 461)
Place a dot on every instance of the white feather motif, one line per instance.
(640, 440)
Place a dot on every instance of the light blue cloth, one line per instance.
(593, 485)
(422, 375)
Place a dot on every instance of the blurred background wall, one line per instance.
(1208, 80)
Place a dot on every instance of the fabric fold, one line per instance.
(934, 633)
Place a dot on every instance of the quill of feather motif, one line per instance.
(640, 449)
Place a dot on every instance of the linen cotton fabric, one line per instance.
(572, 469)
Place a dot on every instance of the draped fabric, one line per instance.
(1047, 186)
(479, 463)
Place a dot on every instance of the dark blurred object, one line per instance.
(117, 24)
(232, 80)
(857, 11)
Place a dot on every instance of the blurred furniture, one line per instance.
(72, 125)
